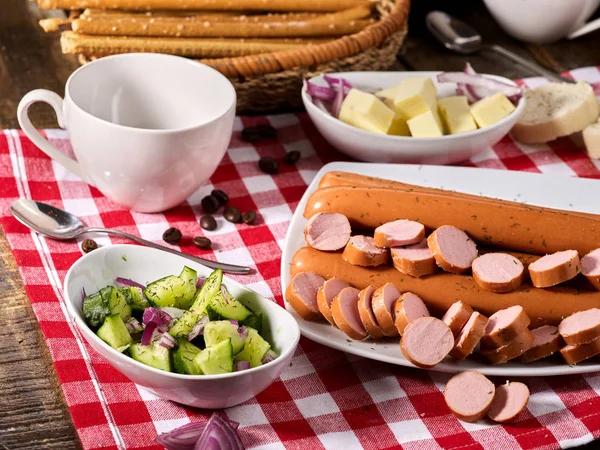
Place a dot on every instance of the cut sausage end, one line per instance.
(498, 272)
(590, 267)
(581, 328)
(509, 401)
(367, 316)
(512, 350)
(398, 233)
(546, 341)
(504, 326)
(554, 269)
(301, 294)
(383, 302)
(327, 231)
(457, 316)
(426, 341)
(573, 354)
(414, 260)
(453, 250)
(345, 313)
(408, 307)
(326, 294)
(469, 336)
(469, 395)
(361, 251)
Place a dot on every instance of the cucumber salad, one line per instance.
(179, 324)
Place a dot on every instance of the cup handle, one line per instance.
(54, 100)
(585, 29)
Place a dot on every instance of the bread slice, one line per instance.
(554, 110)
(591, 137)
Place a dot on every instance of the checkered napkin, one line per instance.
(325, 398)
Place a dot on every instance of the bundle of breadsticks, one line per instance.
(202, 28)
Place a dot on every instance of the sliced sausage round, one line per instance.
(469, 336)
(512, 350)
(574, 354)
(469, 395)
(457, 315)
(398, 233)
(498, 272)
(407, 308)
(414, 260)
(452, 249)
(504, 326)
(361, 251)
(326, 294)
(553, 269)
(426, 341)
(367, 316)
(327, 231)
(510, 401)
(581, 327)
(590, 267)
(345, 313)
(383, 303)
(301, 294)
(546, 341)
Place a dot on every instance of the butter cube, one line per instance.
(415, 96)
(399, 126)
(456, 114)
(492, 109)
(365, 111)
(389, 93)
(425, 125)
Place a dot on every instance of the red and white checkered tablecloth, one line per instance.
(326, 399)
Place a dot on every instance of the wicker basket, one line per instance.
(273, 81)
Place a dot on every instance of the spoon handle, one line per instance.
(231, 268)
(529, 64)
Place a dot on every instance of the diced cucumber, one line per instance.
(183, 358)
(117, 302)
(190, 276)
(212, 314)
(153, 355)
(229, 308)
(221, 330)
(253, 321)
(170, 291)
(184, 325)
(211, 286)
(114, 332)
(139, 302)
(216, 359)
(255, 349)
(95, 310)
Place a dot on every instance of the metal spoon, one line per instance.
(460, 37)
(58, 224)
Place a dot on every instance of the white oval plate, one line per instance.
(574, 194)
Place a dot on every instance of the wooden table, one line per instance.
(33, 414)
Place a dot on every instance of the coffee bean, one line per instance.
(208, 222)
(221, 196)
(291, 158)
(249, 217)
(232, 214)
(172, 236)
(202, 242)
(267, 131)
(88, 245)
(250, 134)
(210, 204)
(268, 165)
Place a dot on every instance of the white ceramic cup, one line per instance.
(147, 129)
(541, 21)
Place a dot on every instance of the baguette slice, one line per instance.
(591, 137)
(555, 110)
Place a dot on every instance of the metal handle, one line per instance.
(231, 268)
(529, 64)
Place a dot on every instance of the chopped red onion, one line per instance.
(198, 328)
(241, 365)
(148, 334)
(234, 322)
(322, 106)
(270, 356)
(126, 282)
(167, 341)
(186, 436)
(479, 86)
(320, 92)
(175, 313)
(219, 435)
(243, 331)
(156, 315)
(133, 325)
(338, 83)
(200, 283)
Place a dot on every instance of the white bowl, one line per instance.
(142, 264)
(372, 147)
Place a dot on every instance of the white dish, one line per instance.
(142, 264)
(381, 148)
(574, 194)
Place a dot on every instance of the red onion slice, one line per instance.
(337, 101)
(156, 315)
(175, 313)
(479, 81)
(338, 83)
(126, 282)
(241, 365)
(148, 334)
(186, 436)
(270, 356)
(320, 92)
(243, 331)
(198, 328)
(133, 325)
(167, 341)
(219, 435)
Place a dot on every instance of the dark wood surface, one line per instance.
(33, 414)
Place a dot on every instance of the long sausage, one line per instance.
(513, 227)
(441, 290)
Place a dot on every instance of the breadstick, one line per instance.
(237, 5)
(223, 16)
(92, 12)
(75, 43)
(54, 24)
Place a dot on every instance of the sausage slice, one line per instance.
(581, 328)
(383, 302)
(574, 354)
(457, 315)
(414, 260)
(361, 251)
(590, 267)
(302, 294)
(367, 316)
(326, 294)
(398, 233)
(553, 269)
(344, 309)
(407, 308)
(498, 272)
(426, 341)
(452, 249)
(513, 349)
(327, 231)
(504, 326)
(469, 395)
(469, 336)
(546, 341)
(510, 401)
